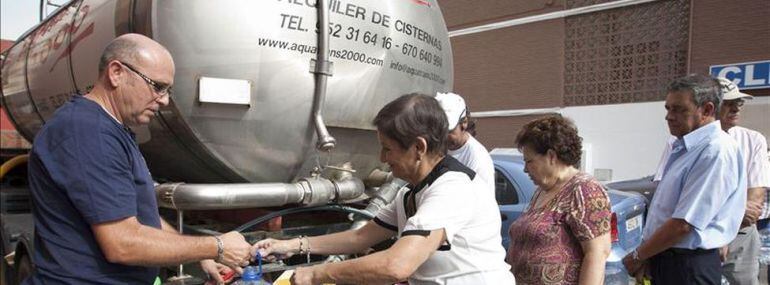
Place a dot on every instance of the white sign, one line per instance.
(224, 91)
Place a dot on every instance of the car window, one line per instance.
(505, 192)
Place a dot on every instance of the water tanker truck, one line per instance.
(271, 108)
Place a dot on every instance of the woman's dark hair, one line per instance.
(411, 116)
(556, 133)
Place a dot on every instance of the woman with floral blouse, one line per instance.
(564, 235)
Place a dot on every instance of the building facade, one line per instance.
(605, 64)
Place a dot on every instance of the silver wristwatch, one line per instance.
(635, 255)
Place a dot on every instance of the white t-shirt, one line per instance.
(473, 253)
(476, 157)
(754, 147)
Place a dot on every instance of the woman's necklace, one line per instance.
(546, 196)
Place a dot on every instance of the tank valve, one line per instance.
(326, 144)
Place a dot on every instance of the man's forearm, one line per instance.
(755, 201)
(148, 246)
(757, 194)
(167, 227)
(669, 234)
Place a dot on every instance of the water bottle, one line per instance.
(252, 275)
(614, 274)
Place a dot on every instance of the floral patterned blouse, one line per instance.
(545, 242)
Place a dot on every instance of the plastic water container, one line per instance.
(251, 276)
(616, 274)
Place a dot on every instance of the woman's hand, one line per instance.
(273, 249)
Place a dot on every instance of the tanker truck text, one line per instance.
(335, 6)
(295, 22)
(303, 48)
(405, 68)
(417, 33)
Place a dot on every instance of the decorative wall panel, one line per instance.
(625, 55)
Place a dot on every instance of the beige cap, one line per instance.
(730, 91)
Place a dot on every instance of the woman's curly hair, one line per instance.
(556, 133)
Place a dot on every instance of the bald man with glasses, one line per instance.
(96, 217)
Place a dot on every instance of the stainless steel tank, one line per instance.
(241, 110)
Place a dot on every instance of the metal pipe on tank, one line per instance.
(321, 70)
(307, 191)
(380, 198)
(384, 195)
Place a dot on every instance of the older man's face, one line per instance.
(682, 115)
(730, 112)
(140, 98)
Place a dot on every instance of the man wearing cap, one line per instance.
(741, 265)
(700, 200)
(462, 145)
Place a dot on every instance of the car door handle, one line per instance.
(503, 217)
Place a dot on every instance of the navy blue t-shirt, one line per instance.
(85, 168)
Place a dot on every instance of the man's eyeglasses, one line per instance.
(159, 88)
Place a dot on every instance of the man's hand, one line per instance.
(303, 276)
(723, 252)
(753, 210)
(214, 270)
(236, 251)
(632, 265)
(641, 273)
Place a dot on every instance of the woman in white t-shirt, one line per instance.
(446, 234)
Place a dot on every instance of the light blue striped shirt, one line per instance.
(703, 183)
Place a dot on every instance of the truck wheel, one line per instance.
(23, 268)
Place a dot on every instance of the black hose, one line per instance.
(202, 231)
(335, 208)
